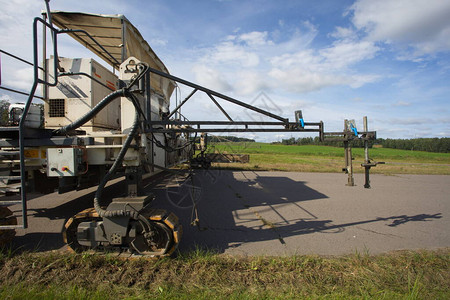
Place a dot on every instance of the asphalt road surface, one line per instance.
(278, 213)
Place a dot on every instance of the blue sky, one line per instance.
(386, 59)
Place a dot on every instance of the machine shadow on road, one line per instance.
(229, 209)
(236, 208)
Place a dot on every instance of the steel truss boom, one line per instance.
(211, 93)
(281, 125)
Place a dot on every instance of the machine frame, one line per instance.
(128, 220)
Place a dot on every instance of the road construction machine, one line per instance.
(101, 124)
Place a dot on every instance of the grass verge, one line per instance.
(206, 275)
(268, 157)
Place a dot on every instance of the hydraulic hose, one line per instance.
(83, 120)
(132, 213)
(124, 92)
(101, 212)
(94, 111)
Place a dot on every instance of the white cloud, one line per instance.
(231, 53)
(16, 19)
(401, 104)
(251, 82)
(305, 58)
(357, 81)
(6, 98)
(344, 53)
(211, 78)
(255, 38)
(299, 80)
(310, 70)
(288, 63)
(20, 79)
(343, 33)
(421, 24)
(158, 42)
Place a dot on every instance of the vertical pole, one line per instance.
(348, 154)
(44, 59)
(321, 130)
(124, 40)
(351, 181)
(149, 114)
(176, 101)
(366, 156)
(366, 142)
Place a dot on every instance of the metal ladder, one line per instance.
(22, 176)
(10, 183)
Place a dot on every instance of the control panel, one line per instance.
(62, 162)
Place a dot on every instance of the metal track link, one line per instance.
(166, 223)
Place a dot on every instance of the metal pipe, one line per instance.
(123, 52)
(348, 154)
(18, 58)
(367, 133)
(19, 92)
(182, 103)
(163, 130)
(44, 54)
(220, 107)
(87, 45)
(366, 157)
(227, 123)
(366, 142)
(23, 176)
(214, 93)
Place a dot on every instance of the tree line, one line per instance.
(219, 139)
(441, 145)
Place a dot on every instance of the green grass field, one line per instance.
(206, 275)
(312, 158)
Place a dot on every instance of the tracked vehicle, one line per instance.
(101, 124)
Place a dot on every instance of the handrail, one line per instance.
(37, 80)
(24, 61)
(19, 92)
(44, 81)
(18, 58)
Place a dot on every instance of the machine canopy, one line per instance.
(118, 37)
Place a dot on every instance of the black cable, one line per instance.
(101, 212)
(169, 148)
(94, 111)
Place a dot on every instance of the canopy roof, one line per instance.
(118, 37)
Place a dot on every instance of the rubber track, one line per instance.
(89, 214)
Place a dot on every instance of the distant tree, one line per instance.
(4, 112)
(421, 144)
(218, 139)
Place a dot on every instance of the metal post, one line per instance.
(366, 142)
(348, 154)
(349, 163)
(44, 59)
(123, 54)
(366, 157)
